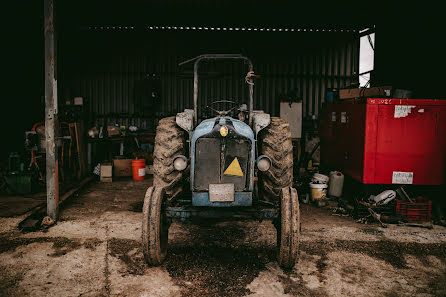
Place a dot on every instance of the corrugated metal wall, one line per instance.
(138, 86)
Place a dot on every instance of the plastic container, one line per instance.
(318, 191)
(336, 184)
(419, 211)
(320, 178)
(139, 169)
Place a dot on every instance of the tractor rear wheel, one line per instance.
(288, 229)
(275, 142)
(155, 227)
(169, 142)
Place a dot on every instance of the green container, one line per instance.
(19, 183)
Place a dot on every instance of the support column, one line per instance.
(51, 122)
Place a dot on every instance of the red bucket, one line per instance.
(139, 169)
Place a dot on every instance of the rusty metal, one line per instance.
(237, 213)
(52, 180)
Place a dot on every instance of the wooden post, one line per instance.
(51, 122)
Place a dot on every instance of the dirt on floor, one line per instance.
(95, 250)
(15, 205)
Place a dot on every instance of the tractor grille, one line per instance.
(212, 158)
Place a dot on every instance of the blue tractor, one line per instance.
(225, 167)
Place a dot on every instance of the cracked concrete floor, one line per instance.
(94, 250)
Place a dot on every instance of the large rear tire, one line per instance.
(275, 142)
(288, 229)
(169, 142)
(155, 227)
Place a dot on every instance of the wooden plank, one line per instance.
(383, 92)
(32, 221)
(82, 148)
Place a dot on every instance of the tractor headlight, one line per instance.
(180, 162)
(263, 163)
(224, 131)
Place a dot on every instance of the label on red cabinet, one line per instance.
(333, 116)
(402, 111)
(405, 178)
(343, 117)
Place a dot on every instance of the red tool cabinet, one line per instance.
(386, 141)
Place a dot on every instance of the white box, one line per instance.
(78, 101)
(106, 172)
(292, 113)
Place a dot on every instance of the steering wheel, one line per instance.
(223, 113)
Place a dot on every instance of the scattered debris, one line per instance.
(322, 202)
(340, 211)
(362, 220)
(427, 226)
(390, 207)
(377, 217)
(47, 221)
(403, 195)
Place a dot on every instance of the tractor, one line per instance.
(235, 165)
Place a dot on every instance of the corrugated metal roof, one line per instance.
(217, 28)
(137, 87)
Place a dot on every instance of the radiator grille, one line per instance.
(214, 155)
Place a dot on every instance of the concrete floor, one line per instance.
(19, 204)
(94, 250)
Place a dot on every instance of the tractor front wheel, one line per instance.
(288, 228)
(275, 142)
(155, 227)
(170, 141)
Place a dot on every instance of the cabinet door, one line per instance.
(407, 144)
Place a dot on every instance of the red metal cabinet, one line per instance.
(385, 141)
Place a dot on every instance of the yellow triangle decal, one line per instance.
(234, 168)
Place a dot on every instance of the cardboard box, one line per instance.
(385, 91)
(113, 131)
(402, 94)
(106, 172)
(78, 101)
(122, 167)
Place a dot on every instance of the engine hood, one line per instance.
(207, 126)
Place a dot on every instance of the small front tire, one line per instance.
(155, 227)
(288, 229)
